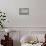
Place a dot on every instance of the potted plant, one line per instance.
(2, 19)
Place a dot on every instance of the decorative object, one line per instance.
(7, 30)
(2, 19)
(23, 11)
(8, 40)
(44, 44)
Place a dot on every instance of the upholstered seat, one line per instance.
(26, 38)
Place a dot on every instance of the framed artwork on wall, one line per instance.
(23, 11)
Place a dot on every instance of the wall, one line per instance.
(37, 17)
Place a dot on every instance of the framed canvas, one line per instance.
(23, 11)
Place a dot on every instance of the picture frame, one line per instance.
(23, 11)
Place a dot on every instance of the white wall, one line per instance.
(37, 17)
